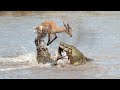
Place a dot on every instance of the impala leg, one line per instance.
(49, 42)
(48, 39)
(54, 38)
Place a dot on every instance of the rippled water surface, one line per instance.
(96, 36)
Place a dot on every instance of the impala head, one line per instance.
(68, 29)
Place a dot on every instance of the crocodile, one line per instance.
(43, 54)
(74, 55)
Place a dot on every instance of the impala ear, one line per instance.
(64, 24)
(68, 26)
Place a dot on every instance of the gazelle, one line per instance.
(50, 27)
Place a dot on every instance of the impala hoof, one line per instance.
(47, 44)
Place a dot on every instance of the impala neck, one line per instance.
(60, 29)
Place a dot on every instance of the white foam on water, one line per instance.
(26, 57)
(46, 65)
(8, 69)
(20, 62)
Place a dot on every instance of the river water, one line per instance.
(96, 35)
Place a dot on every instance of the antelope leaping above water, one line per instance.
(50, 27)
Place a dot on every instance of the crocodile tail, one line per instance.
(88, 59)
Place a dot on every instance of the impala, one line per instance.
(50, 27)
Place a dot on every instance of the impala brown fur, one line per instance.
(50, 27)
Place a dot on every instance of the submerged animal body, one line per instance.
(50, 27)
(43, 54)
(74, 55)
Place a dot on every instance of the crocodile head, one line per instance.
(65, 47)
